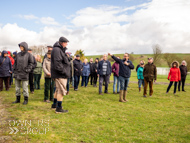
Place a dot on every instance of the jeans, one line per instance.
(170, 84)
(84, 80)
(24, 86)
(101, 79)
(124, 81)
(116, 80)
(141, 82)
(76, 82)
(49, 86)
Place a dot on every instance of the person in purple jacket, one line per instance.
(115, 70)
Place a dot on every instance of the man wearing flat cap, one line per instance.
(50, 48)
(60, 65)
(149, 74)
(77, 64)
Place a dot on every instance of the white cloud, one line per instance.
(28, 17)
(48, 21)
(98, 30)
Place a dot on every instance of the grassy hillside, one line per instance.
(139, 57)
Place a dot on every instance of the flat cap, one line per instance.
(63, 39)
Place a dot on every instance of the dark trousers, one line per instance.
(37, 78)
(170, 85)
(68, 81)
(76, 81)
(6, 81)
(31, 81)
(49, 87)
(101, 79)
(84, 81)
(150, 87)
(95, 78)
(183, 84)
(91, 78)
(11, 79)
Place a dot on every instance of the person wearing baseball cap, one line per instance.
(60, 65)
(149, 74)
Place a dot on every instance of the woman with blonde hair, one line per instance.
(85, 72)
(183, 70)
(37, 72)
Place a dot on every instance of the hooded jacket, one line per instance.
(150, 72)
(5, 65)
(174, 74)
(23, 63)
(60, 62)
(115, 69)
(124, 70)
(140, 72)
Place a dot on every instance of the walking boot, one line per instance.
(121, 96)
(60, 110)
(124, 95)
(25, 100)
(139, 89)
(17, 100)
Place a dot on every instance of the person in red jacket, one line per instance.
(174, 76)
(12, 63)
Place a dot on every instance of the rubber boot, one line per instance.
(25, 100)
(121, 96)
(17, 100)
(124, 95)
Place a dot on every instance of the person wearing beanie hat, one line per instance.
(49, 82)
(60, 65)
(23, 65)
(14, 55)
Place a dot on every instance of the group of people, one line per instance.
(60, 69)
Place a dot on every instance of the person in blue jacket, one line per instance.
(85, 73)
(5, 70)
(125, 67)
(140, 75)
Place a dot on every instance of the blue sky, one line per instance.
(97, 26)
(60, 10)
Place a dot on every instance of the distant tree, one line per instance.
(169, 58)
(81, 53)
(157, 53)
(39, 50)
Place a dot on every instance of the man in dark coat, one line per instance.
(183, 71)
(5, 70)
(125, 67)
(77, 64)
(95, 67)
(22, 67)
(150, 74)
(104, 72)
(91, 76)
(31, 75)
(60, 72)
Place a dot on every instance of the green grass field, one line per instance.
(93, 118)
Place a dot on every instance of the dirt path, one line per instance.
(3, 124)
